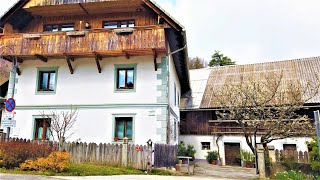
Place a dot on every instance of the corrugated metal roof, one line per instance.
(299, 70)
(198, 82)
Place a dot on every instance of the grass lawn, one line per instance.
(89, 170)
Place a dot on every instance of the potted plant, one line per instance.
(212, 157)
(247, 158)
(184, 150)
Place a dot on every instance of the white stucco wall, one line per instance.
(174, 102)
(174, 80)
(94, 94)
(196, 140)
(87, 85)
(97, 125)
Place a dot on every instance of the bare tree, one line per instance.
(61, 124)
(267, 107)
(196, 63)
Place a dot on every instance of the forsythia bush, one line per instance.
(14, 153)
(56, 161)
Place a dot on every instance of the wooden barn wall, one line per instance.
(195, 122)
(141, 19)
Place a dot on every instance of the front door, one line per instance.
(232, 154)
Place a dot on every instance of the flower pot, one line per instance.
(178, 167)
(249, 165)
(214, 162)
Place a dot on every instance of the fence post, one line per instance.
(261, 161)
(124, 158)
(2, 137)
(272, 153)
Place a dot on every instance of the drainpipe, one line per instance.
(176, 51)
(168, 110)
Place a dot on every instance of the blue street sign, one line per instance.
(10, 105)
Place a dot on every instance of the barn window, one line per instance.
(205, 145)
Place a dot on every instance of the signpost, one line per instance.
(10, 105)
(8, 123)
(316, 121)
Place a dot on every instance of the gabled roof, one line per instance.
(300, 70)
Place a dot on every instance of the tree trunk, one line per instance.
(220, 163)
(61, 143)
(267, 159)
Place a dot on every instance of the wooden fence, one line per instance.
(135, 156)
(165, 155)
(293, 155)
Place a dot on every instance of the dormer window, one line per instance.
(58, 27)
(118, 24)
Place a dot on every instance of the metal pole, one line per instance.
(11, 89)
(316, 121)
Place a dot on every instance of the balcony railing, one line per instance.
(102, 41)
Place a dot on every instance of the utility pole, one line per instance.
(11, 88)
(316, 121)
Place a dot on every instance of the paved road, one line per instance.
(24, 177)
(203, 169)
(125, 177)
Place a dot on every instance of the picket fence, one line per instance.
(296, 156)
(128, 155)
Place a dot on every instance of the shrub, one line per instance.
(246, 156)
(184, 150)
(56, 161)
(212, 155)
(293, 175)
(313, 154)
(12, 154)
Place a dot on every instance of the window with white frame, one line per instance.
(205, 145)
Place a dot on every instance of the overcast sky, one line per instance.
(248, 31)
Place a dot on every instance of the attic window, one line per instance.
(59, 27)
(118, 24)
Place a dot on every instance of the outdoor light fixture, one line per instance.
(138, 9)
(88, 26)
(149, 142)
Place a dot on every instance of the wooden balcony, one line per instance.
(102, 42)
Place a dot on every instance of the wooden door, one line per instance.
(232, 154)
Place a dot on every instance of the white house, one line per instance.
(199, 117)
(122, 64)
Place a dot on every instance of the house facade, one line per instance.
(200, 122)
(121, 64)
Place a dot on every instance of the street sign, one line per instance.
(8, 123)
(10, 105)
(8, 115)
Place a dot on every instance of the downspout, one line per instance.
(169, 58)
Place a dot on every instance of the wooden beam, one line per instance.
(98, 58)
(9, 58)
(161, 14)
(155, 56)
(18, 71)
(42, 58)
(20, 60)
(69, 59)
(84, 9)
(127, 54)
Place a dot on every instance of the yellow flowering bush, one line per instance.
(56, 161)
